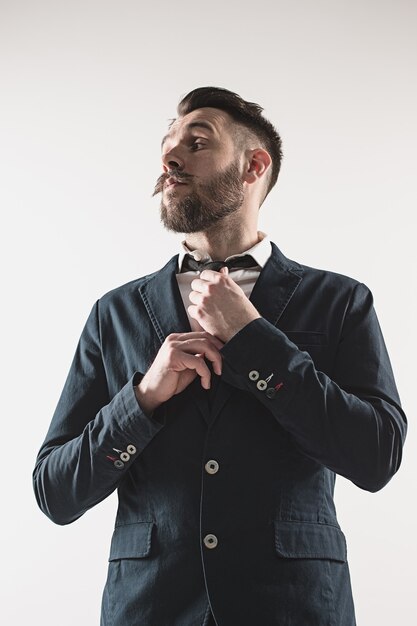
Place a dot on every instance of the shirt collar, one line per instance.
(261, 251)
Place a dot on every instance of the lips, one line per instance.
(172, 182)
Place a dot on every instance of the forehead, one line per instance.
(212, 120)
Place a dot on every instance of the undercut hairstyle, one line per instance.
(247, 115)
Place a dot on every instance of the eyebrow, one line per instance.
(201, 124)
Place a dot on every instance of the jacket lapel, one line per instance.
(276, 285)
(271, 294)
(162, 299)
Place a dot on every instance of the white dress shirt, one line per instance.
(245, 278)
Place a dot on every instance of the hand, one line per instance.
(179, 360)
(220, 305)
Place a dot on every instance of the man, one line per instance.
(221, 400)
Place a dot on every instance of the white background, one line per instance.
(87, 91)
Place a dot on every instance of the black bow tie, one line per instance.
(239, 262)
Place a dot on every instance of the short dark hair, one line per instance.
(247, 114)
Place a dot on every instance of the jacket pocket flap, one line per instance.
(131, 541)
(306, 337)
(309, 540)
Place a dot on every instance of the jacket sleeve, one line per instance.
(351, 422)
(92, 440)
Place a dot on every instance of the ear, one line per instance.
(257, 163)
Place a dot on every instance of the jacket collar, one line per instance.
(261, 252)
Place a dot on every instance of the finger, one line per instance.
(195, 297)
(201, 347)
(198, 285)
(197, 334)
(209, 276)
(193, 334)
(214, 356)
(215, 341)
(197, 363)
(218, 343)
(192, 311)
(216, 360)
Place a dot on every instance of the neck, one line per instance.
(222, 241)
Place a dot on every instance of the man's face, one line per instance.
(201, 183)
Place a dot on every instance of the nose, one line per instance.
(172, 161)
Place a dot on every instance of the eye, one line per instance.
(196, 145)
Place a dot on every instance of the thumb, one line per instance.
(224, 270)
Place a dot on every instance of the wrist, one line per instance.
(145, 400)
(233, 330)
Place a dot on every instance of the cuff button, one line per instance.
(131, 449)
(261, 384)
(253, 375)
(125, 456)
(119, 464)
(270, 392)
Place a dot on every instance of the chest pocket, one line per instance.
(306, 338)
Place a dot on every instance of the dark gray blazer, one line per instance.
(226, 496)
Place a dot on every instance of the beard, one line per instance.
(205, 205)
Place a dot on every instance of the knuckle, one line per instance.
(170, 350)
(169, 356)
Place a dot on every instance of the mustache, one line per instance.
(180, 178)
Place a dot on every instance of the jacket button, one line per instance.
(131, 449)
(210, 541)
(212, 467)
(270, 392)
(261, 384)
(254, 375)
(125, 456)
(119, 464)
